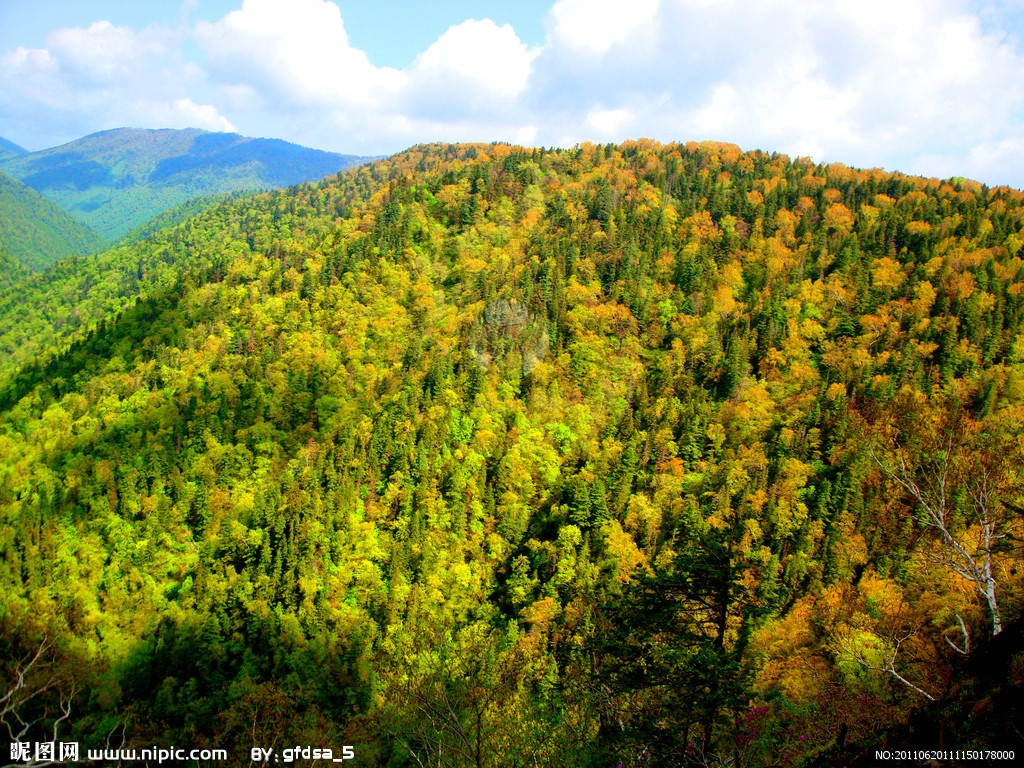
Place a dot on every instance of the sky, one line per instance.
(932, 87)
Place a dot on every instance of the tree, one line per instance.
(959, 474)
(672, 650)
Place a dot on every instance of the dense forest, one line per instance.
(638, 455)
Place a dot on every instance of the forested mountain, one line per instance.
(10, 149)
(37, 231)
(115, 181)
(651, 455)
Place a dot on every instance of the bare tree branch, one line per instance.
(34, 676)
(935, 512)
(966, 649)
(889, 667)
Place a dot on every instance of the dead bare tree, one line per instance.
(34, 676)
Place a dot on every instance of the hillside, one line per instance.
(117, 180)
(483, 455)
(37, 231)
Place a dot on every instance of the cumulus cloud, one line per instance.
(297, 52)
(594, 26)
(291, 66)
(609, 122)
(102, 53)
(473, 73)
(187, 112)
(477, 58)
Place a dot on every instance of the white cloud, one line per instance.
(525, 135)
(478, 57)
(594, 26)
(102, 53)
(297, 51)
(608, 122)
(467, 83)
(291, 66)
(201, 116)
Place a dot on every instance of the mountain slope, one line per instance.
(116, 180)
(37, 231)
(546, 457)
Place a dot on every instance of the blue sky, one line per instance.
(934, 87)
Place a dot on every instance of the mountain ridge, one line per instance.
(10, 149)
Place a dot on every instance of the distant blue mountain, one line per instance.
(117, 180)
